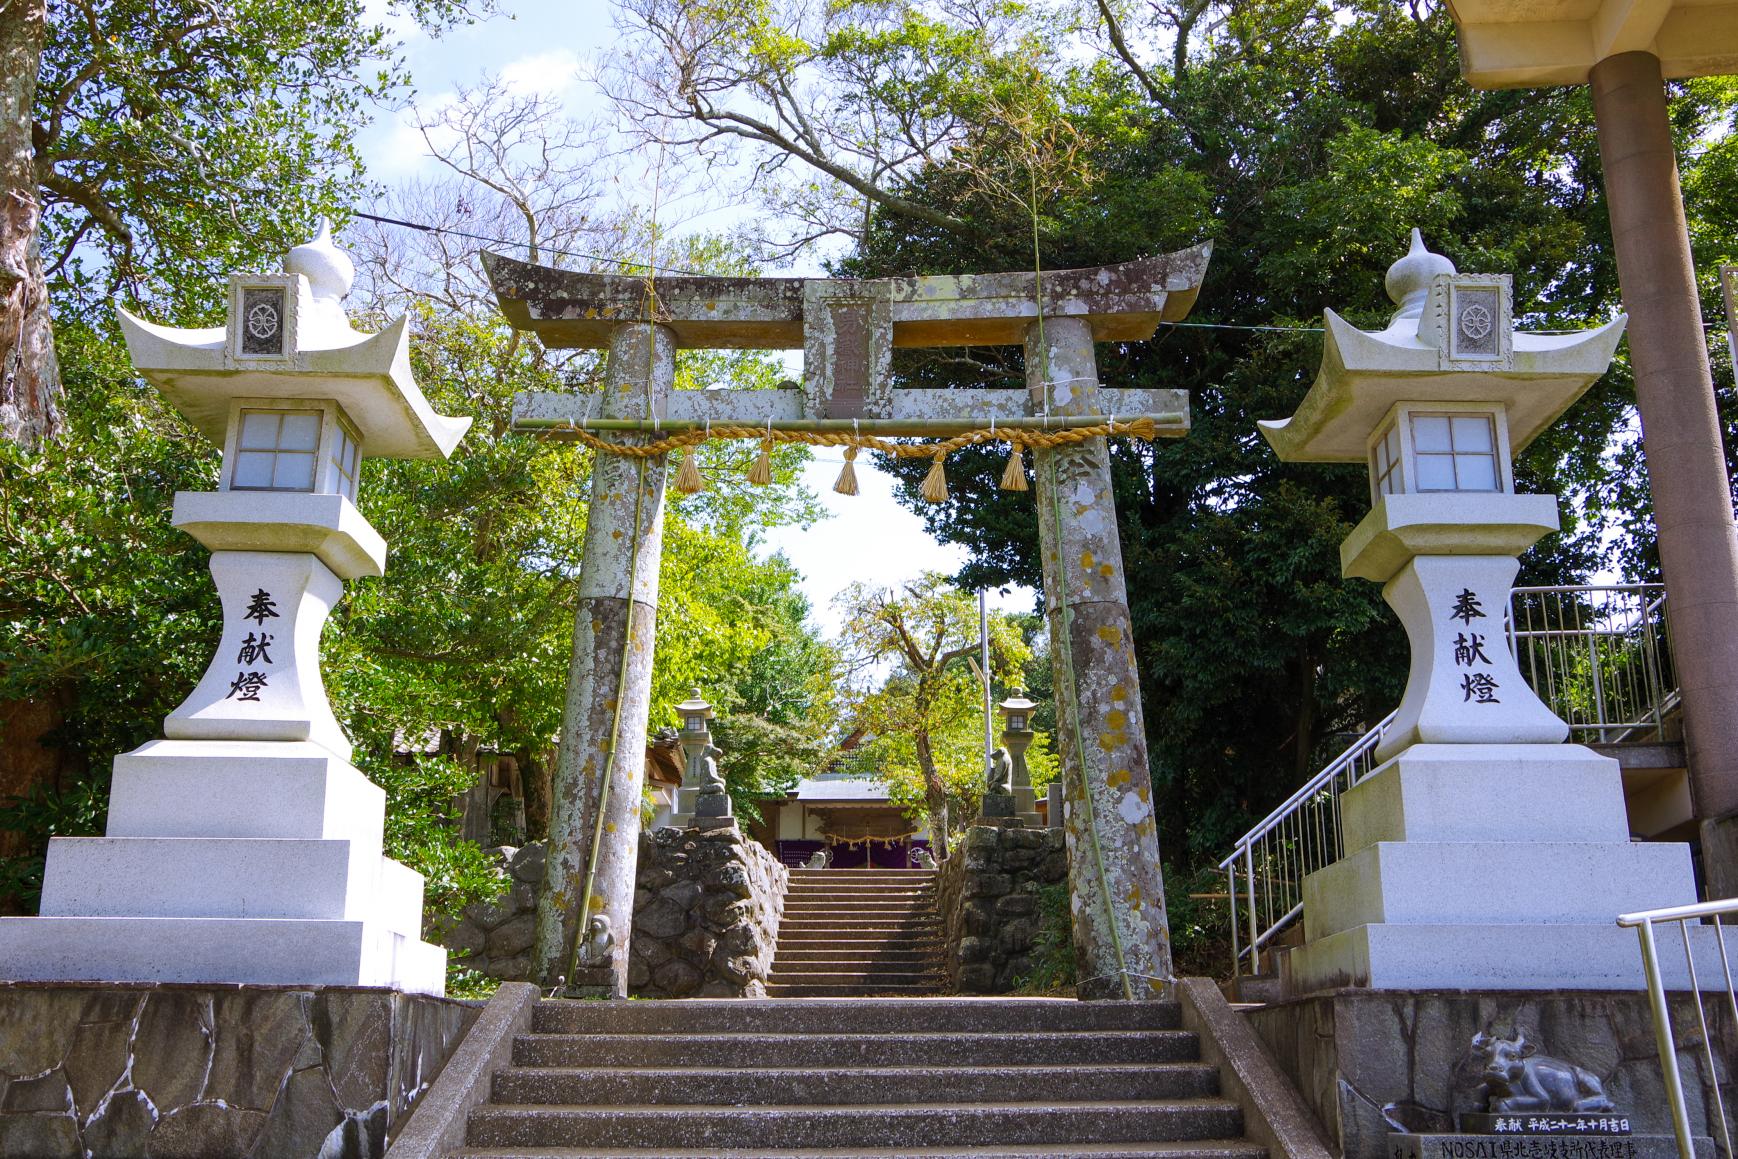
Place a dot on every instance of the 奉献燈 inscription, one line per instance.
(250, 681)
(1469, 651)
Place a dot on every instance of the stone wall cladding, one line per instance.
(1362, 1058)
(494, 937)
(988, 896)
(707, 906)
(249, 1072)
(706, 914)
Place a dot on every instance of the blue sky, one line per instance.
(554, 48)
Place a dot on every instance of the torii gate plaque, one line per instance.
(847, 330)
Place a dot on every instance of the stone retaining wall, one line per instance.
(987, 893)
(706, 915)
(251, 1072)
(494, 937)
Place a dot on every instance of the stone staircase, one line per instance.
(728, 1079)
(858, 932)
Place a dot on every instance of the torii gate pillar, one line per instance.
(1121, 938)
(609, 681)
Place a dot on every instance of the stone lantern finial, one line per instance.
(329, 270)
(1408, 281)
(330, 274)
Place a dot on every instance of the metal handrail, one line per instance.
(1643, 923)
(1598, 654)
(1286, 846)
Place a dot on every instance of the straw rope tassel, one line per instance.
(761, 473)
(689, 480)
(847, 481)
(935, 483)
(1014, 475)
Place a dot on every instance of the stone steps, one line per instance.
(847, 1086)
(858, 933)
(1192, 1149)
(867, 1049)
(869, 1016)
(892, 1125)
(855, 1079)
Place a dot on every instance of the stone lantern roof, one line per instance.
(1504, 44)
(202, 371)
(1432, 352)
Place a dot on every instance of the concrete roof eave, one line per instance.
(1532, 43)
(1363, 374)
(371, 379)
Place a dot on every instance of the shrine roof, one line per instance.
(1526, 43)
(1123, 302)
(839, 788)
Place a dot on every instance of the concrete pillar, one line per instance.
(612, 659)
(1121, 939)
(1680, 434)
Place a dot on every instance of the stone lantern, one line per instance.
(244, 847)
(1017, 737)
(1008, 793)
(1436, 405)
(1482, 852)
(696, 738)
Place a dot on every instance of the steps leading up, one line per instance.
(856, 933)
(849, 1079)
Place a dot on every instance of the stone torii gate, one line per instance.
(847, 330)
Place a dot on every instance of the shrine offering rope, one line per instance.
(689, 480)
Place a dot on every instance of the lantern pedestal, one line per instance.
(1488, 866)
(249, 862)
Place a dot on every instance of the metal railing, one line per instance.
(1599, 655)
(1296, 839)
(1683, 917)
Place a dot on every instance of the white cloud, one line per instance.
(548, 74)
(394, 148)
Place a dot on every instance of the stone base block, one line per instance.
(1377, 1066)
(1543, 1147)
(287, 789)
(1491, 957)
(1488, 793)
(1495, 882)
(241, 951)
(225, 878)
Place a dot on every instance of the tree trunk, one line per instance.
(29, 371)
(935, 794)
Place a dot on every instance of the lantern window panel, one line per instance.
(276, 450)
(1387, 472)
(346, 461)
(1455, 452)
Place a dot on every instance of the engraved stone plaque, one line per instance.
(262, 321)
(1475, 315)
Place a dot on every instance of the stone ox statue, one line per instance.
(1517, 1078)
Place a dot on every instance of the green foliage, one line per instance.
(420, 833)
(1304, 139)
(925, 717)
(178, 140)
(1052, 954)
